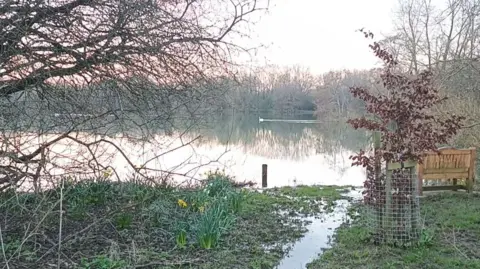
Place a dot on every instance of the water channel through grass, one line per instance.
(95, 224)
(319, 233)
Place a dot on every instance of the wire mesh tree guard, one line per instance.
(393, 208)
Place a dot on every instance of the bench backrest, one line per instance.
(449, 164)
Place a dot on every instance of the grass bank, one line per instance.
(109, 225)
(451, 239)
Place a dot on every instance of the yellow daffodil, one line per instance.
(182, 203)
(107, 173)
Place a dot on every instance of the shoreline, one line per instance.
(125, 225)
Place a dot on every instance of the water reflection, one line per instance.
(320, 230)
(294, 153)
(305, 153)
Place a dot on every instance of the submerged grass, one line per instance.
(325, 192)
(125, 225)
(450, 239)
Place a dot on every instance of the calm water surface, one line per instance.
(319, 235)
(296, 153)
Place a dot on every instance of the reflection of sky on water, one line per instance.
(311, 169)
(294, 153)
(320, 231)
(289, 160)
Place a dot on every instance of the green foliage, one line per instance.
(89, 193)
(79, 197)
(199, 200)
(15, 247)
(235, 225)
(426, 237)
(212, 224)
(143, 195)
(162, 212)
(219, 202)
(218, 184)
(235, 201)
(207, 213)
(181, 238)
(123, 220)
(261, 263)
(77, 210)
(450, 239)
(334, 192)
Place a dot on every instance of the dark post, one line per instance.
(471, 170)
(264, 175)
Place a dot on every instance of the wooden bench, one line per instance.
(451, 164)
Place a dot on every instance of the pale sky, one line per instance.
(320, 34)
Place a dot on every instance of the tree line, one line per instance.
(293, 90)
(443, 37)
(439, 36)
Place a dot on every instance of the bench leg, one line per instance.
(469, 185)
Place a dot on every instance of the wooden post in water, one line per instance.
(264, 175)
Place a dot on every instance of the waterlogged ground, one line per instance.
(320, 231)
(113, 225)
(450, 239)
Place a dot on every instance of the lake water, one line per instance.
(296, 153)
(318, 237)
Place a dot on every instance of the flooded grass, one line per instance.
(125, 225)
(450, 239)
(324, 192)
(320, 229)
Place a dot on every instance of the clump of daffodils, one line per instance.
(182, 203)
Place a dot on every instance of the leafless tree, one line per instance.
(103, 68)
(333, 98)
(432, 35)
(443, 36)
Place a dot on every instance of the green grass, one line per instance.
(124, 225)
(325, 192)
(450, 239)
(310, 200)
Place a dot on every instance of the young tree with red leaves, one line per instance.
(406, 125)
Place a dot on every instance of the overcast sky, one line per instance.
(320, 34)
